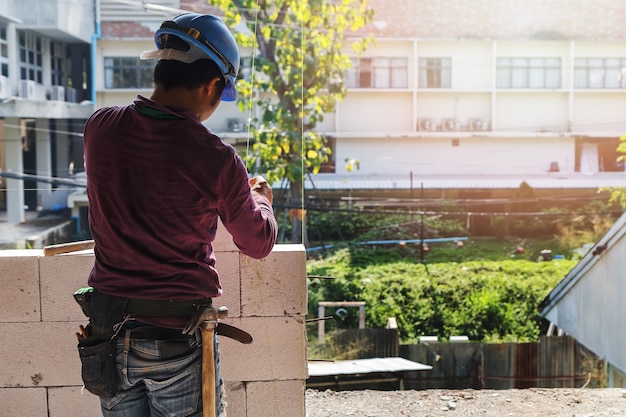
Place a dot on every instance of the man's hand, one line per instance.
(260, 186)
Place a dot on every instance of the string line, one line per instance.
(303, 147)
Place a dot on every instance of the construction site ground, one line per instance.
(561, 402)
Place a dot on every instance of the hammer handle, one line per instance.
(208, 371)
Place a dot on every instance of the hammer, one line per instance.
(206, 319)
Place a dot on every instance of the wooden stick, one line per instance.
(208, 369)
(68, 247)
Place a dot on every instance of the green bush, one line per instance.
(484, 299)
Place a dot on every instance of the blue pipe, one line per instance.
(394, 242)
(94, 43)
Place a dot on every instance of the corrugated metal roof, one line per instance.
(365, 366)
(577, 273)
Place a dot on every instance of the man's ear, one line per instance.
(211, 89)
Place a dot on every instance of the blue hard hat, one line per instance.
(209, 36)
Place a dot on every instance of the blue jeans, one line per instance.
(160, 378)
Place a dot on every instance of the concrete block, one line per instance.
(276, 285)
(61, 275)
(41, 355)
(18, 253)
(23, 402)
(236, 399)
(19, 280)
(278, 351)
(227, 265)
(70, 401)
(276, 398)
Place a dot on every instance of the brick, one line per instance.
(41, 355)
(227, 265)
(61, 275)
(278, 351)
(23, 402)
(236, 399)
(276, 398)
(70, 401)
(19, 280)
(276, 285)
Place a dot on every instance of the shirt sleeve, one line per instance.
(248, 217)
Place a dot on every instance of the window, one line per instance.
(128, 72)
(435, 72)
(600, 73)
(4, 50)
(528, 73)
(57, 57)
(378, 73)
(31, 56)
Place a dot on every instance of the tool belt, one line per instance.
(107, 317)
(105, 311)
(165, 308)
(136, 306)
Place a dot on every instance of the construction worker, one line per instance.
(157, 182)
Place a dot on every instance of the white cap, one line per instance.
(192, 55)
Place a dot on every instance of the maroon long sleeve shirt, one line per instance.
(157, 182)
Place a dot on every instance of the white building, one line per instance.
(484, 94)
(45, 70)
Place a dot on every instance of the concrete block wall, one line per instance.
(40, 369)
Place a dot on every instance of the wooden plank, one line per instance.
(68, 247)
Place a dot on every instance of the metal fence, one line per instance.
(553, 362)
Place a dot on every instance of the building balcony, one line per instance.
(54, 19)
(46, 109)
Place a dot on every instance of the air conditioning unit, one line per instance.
(235, 125)
(57, 93)
(450, 124)
(478, 124)
(27, 89)
(426, 125)
(4, 87)
(70, 95)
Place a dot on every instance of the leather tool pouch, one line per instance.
(97, 356)
(97, 351)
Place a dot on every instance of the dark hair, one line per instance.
(171, 74)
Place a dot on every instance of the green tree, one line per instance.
(618, 194)
(298, 66)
